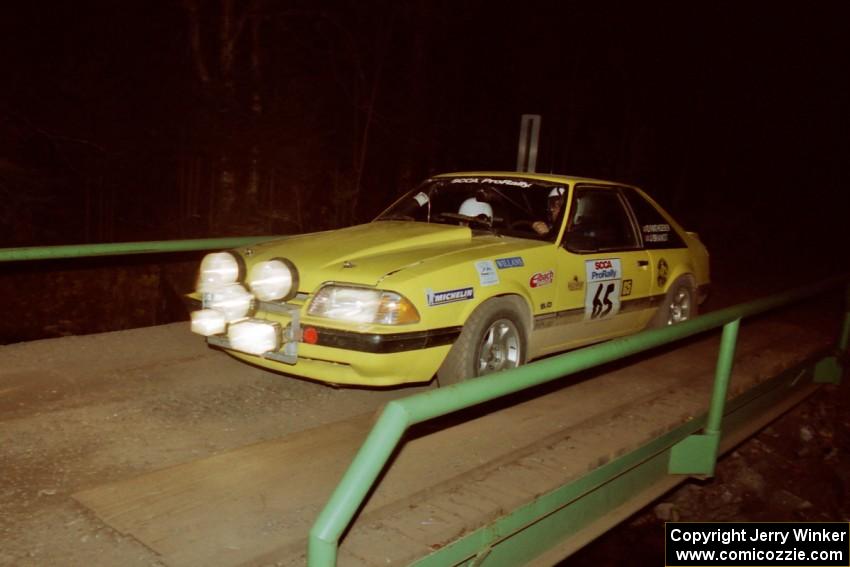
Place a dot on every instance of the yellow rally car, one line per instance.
(467, 274)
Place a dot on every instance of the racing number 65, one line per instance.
(602, 307)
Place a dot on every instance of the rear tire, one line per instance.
(680, 304)
(494, 338)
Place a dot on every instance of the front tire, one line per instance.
(680, 304)
(494, 338)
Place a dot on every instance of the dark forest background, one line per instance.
(168, 119)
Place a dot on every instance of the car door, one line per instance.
(605, 275)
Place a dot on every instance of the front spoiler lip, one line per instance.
(373, 343)
(222, 341)
(377, 343)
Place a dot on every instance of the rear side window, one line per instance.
(656, 231)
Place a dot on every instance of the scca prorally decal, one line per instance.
(449, 296)
(491, 181)
(512, 262)
(599, 270)
(512, 182)
(542, 278)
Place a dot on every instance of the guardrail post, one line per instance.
(351, 492)
(831, 368)
(697, 454)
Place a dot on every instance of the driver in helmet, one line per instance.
(474, 208)
(553, 208)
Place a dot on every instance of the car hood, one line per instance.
(366, 254)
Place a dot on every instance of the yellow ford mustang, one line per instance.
(467, 274)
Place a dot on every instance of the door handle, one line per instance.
(643, 263)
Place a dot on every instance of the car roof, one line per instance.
(550, 177)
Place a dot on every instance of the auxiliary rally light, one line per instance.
(254, 337)
(208, 322)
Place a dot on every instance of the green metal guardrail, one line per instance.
(122, 248)
(693, 454)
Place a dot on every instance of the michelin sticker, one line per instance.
(486, 272)
(512, 262)
(436, 298)
(604, 281)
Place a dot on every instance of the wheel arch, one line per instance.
(523, 305)
(522, 298)
(685, 270)
(464, 356)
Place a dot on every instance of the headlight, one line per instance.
(363, 305)
(218, 269)
(233, 301)
(275, 279)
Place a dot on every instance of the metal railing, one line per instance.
(696, 457)
(699, 455)
(124, 248)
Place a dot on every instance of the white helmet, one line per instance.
(556, 192)
(472, 207)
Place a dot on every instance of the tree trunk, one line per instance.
(360, 165)
(193, 15)
(253, 189)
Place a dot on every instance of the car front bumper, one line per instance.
(341, 356)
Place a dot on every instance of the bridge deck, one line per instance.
(255, 504)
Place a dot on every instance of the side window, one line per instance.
(598, 221)
(656, 231)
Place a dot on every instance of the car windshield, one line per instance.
(505, 205)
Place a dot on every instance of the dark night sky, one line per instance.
(735, 115)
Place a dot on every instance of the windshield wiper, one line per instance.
(397, 217)
(482, 220)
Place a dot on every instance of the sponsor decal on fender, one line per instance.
(449, 296)
(512, 262)
(541, 279)
(662, 271)
(486, 272)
